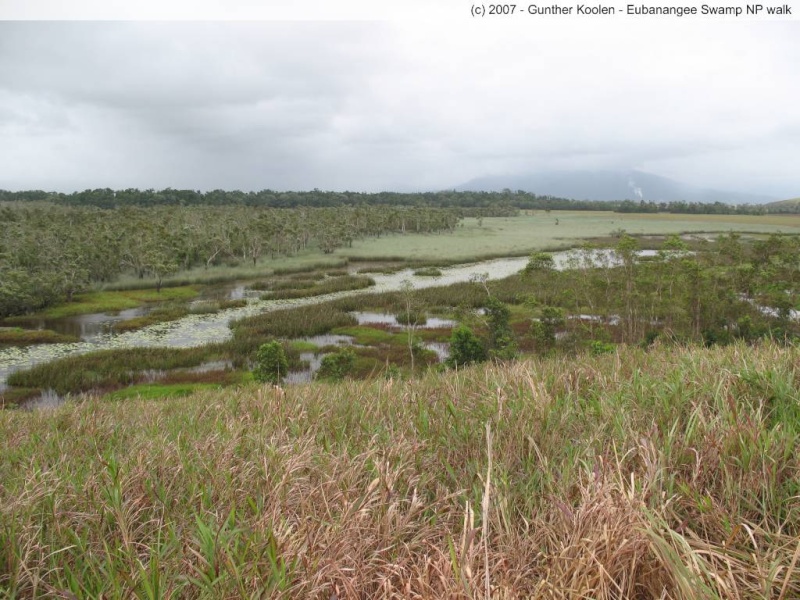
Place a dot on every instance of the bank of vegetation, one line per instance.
(721, 292)
(664, 473)
(50, 254)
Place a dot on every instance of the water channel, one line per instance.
(195, 330)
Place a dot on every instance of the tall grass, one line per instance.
(304, 289)
(110, 368)
(15, 336)
(663, 474)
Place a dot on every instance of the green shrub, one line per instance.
(337, 366)
(597, 347)
(411, 318)
(271, 363)
(465, 348)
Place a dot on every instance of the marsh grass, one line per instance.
(296, 322)
(16, 336)
(307, 289)
(519, 236)
(115, 301)
(428, 272)
(304, 262)
(664, 474)
(110, 368)
(155, 391)
(162, 314)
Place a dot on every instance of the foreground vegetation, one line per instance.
(662, 473)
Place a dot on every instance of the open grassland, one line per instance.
(671, 473)
(504, 236)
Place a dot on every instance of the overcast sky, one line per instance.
(398, 105)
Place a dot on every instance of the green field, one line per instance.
(500, 236)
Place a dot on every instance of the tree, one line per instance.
(411, 317)
(501, 338)
(544, 330)
(271, 363)
(465, 348)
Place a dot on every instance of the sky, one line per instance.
(393, 101)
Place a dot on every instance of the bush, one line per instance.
(411, 318)
(465, 348)
(336, 366)
(271, 363)
(597, 347)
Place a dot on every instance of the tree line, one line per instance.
(49, 253)
(471, 203)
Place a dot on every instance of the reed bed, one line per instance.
(669, 473)
(303, 289)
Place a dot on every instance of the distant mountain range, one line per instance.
(609, 185)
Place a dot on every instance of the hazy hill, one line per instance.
(792, 205)
(608, 185)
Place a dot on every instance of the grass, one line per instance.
(518, 236)
(15, 336)
(159, 315)
(671, 474)
(115, 301)
(428, 272)
(154, 391)
(308, 289)
(303, 346)
(296, 322)
(305, 261)
(174, 311)
(370, 336)
(109, 368)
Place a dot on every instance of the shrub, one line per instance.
(539, 261)
(465, 348)
(271, 363)
(413, 317)
(336, 366)
(597, 347)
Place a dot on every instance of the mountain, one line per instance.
(609, 185)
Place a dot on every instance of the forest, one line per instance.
(49, 253)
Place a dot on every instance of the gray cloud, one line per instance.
(370, 106)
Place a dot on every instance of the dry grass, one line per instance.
(663, 474)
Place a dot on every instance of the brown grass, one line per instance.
(664, 474)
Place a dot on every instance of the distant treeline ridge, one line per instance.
(504, 203)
